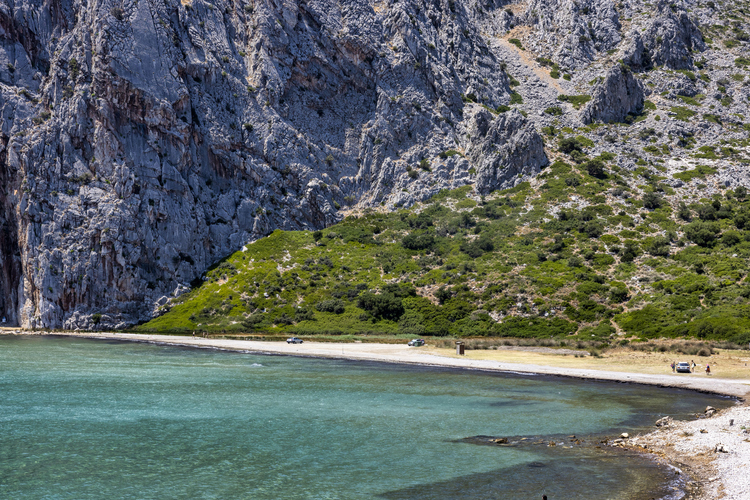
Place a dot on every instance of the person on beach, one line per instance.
(672, 365)
(692, 366)
(708, 369)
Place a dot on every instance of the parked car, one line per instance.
(683, 367)
(293, 340)
(416, 343)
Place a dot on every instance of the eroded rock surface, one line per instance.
(142, 141)
(619, 94)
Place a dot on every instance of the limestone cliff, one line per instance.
(143, 140)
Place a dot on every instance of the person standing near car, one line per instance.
(672, 365)
(692, 366)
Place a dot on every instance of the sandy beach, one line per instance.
(715, 453)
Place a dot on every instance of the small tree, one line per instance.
(702, 233)
(684, 213)
(652, 201)
(570, 144)
(595, 168)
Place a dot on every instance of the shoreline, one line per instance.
(712, 452)
(401, 354)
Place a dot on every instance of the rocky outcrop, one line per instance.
(669, 40)
(576, 30)
(505, 149)
(619, 94)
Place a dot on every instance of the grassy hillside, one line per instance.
(588, 251)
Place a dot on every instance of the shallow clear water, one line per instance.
(86, 419)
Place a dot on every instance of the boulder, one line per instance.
(620, 94)
(504, 149)
(664, 422)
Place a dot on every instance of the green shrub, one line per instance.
(595, 168)
(418, 241)
(73, 68)
(576, 100)
(682, 113)
(702, 233)
(699, 172)
(515, 98)
(449, 153)
(652, 201)
(384, 305)
(569, 144)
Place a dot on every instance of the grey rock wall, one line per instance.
(619, 94)
(141, 141)
(575, 31)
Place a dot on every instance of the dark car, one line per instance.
(293, 340)
(416, 343)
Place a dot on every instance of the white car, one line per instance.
(293, 340)
(683, 367)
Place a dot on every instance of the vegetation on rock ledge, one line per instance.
(577, 256)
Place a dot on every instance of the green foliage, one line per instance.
(576, 100)
(416, 241)
(383, 306)
(712, 118)
(450, 265)
(652, 201)
(73, 68)
(595, 168)
(335, 306)
(699, 172)
(449, 153)
(516, 42)
(682, 113)
(702, 233)
(569, 145)
(691, 101)
(515, 98)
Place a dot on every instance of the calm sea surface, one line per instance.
(86, 419)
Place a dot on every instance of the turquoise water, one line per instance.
(86, 419)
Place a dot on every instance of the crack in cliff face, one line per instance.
(10, 251)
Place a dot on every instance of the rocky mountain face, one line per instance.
(143, 140)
